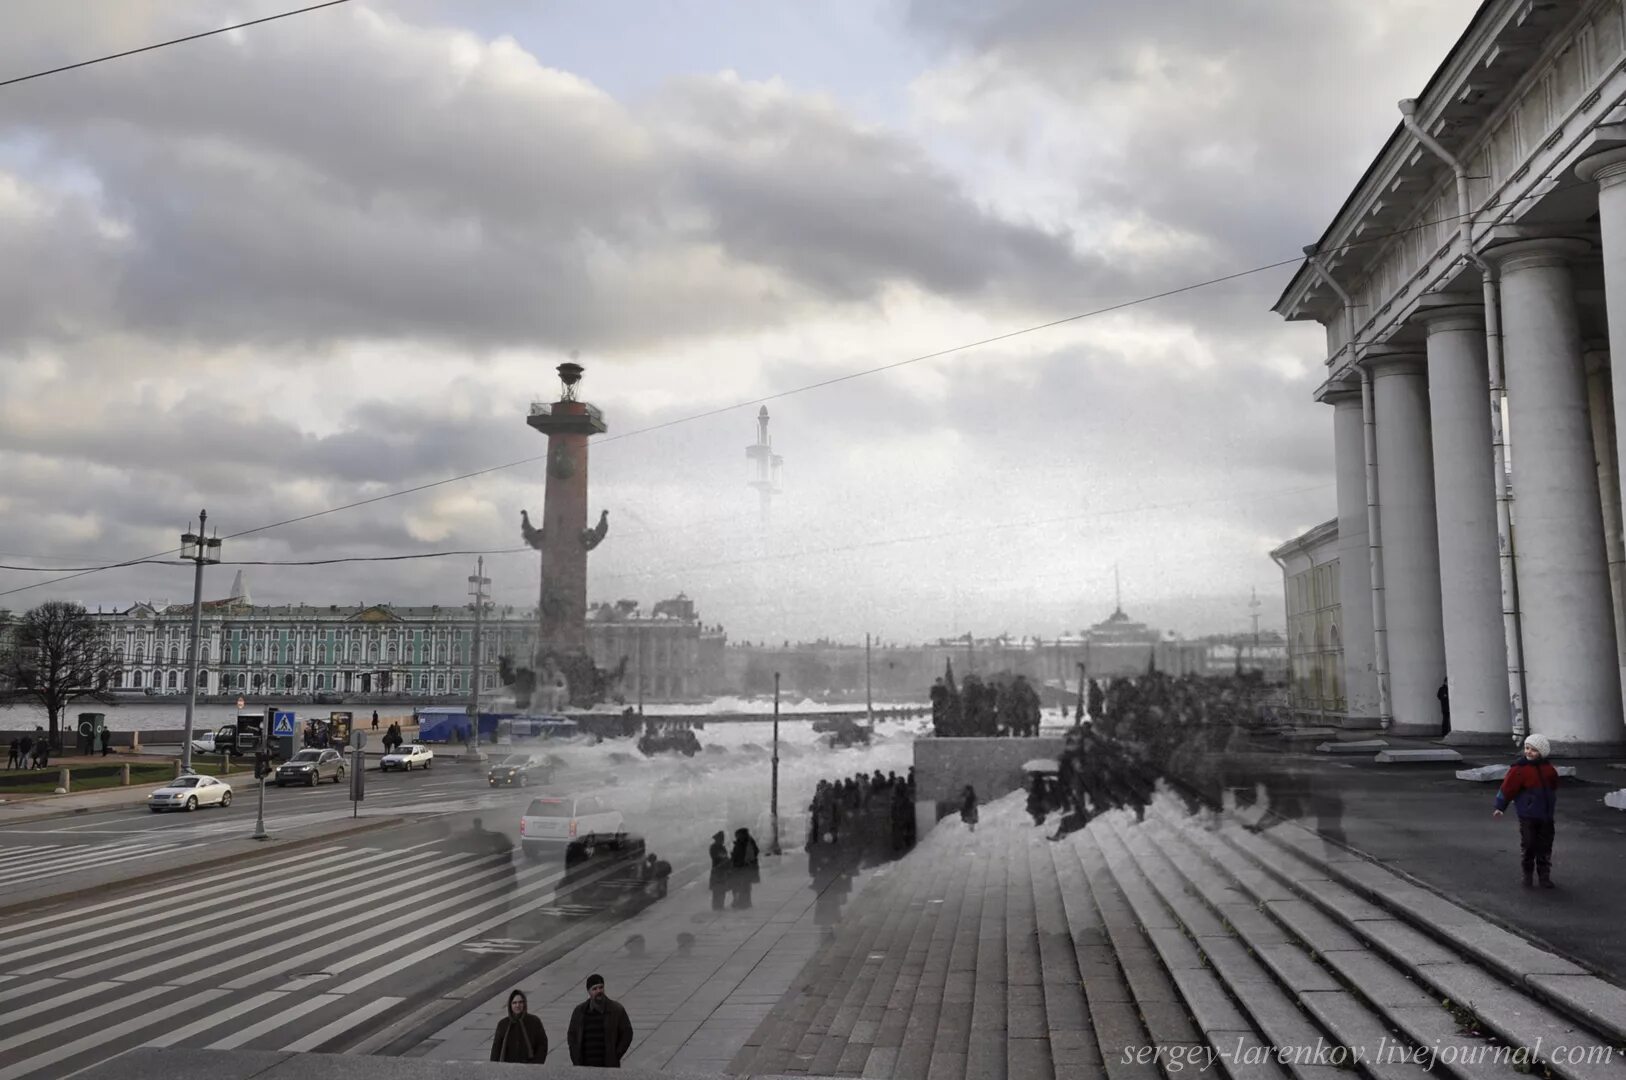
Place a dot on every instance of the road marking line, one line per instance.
(32, 986)
(457, 938)
(271, 1023)
(14, 1015)
(163, 912)
(368, 892)
(225, 881)
(207, 927)
(344, 1023)
(88, 864)
(215, 1019)
(499, 880)
(77, 1018)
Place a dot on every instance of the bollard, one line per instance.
(135, 742)
(63, 778)
(124, 774)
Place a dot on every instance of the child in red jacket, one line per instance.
(1531, 785)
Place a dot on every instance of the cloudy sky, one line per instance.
(335, 256)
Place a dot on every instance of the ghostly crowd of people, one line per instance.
(1140, 730)
(863, 810)
(999, 705)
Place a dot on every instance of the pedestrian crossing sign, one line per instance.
(282, 723)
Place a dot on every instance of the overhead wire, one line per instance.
(821, 383)
(166, 44)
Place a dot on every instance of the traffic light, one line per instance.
(262, 764)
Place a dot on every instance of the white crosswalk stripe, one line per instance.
(43, 864)
(293, 952)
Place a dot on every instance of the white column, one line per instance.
(1568, 622)
(1411, 551)
(1601, 409)
(1465, 510)
(1354, 569)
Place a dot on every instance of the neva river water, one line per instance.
(171, 712)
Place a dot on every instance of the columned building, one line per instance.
(385, 651)
(1472, 288)
(1312, 583)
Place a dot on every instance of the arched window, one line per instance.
(137, 681)
(242, 681)
(203, 653)
(172, 678)
(174, 654)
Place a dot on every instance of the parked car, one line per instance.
(572, 824)
(311, 767)
(407, 757)
(519, 770)
(204, 744)
(189, 793)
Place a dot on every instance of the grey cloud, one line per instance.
(350, 176)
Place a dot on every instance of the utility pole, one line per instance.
(201, 550)
(641, 650)
(479, 582)
(773, 804)
(869, 697)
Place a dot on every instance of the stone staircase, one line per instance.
(1179, 944)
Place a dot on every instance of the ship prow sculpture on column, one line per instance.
(562, 671)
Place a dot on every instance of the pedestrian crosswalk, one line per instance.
(300, 951)
(27, 864)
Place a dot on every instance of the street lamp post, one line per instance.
(201, 550)
(773, 804)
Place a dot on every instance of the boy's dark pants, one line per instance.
(1536, 846)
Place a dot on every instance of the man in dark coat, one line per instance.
(520, 1035)
(600, 1032)
(1444, 695)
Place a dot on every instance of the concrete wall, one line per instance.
(993, 766)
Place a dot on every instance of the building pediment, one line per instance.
(375, 614)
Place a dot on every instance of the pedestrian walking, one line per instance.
(25, 753)
(107, 741)
(42, 753)
(1444, 696)
(375, 719)
(520, 1035)
(743, 860)
(14, 758)
(968, 807)
(720, 866)
(600, 1031)
(1531, 785)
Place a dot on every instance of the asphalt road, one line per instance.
(309, 949)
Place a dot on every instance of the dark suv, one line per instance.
(311, 766)
(518, 770)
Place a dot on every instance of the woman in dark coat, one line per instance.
(520, 1036)
(968, 807)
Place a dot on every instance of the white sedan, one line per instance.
(408, 757)
(204, 744)
(189, 793)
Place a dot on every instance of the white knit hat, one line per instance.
(1538, 743)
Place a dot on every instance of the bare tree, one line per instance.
(57, 655)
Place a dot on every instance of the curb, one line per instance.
(34, 905)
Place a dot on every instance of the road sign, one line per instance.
(358, 738)
(282, 724)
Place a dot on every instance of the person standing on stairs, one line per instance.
(968, 807)
(1531, 785)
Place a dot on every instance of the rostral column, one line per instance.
(564, 538)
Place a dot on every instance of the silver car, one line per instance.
(310, 767)
(189, 793)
